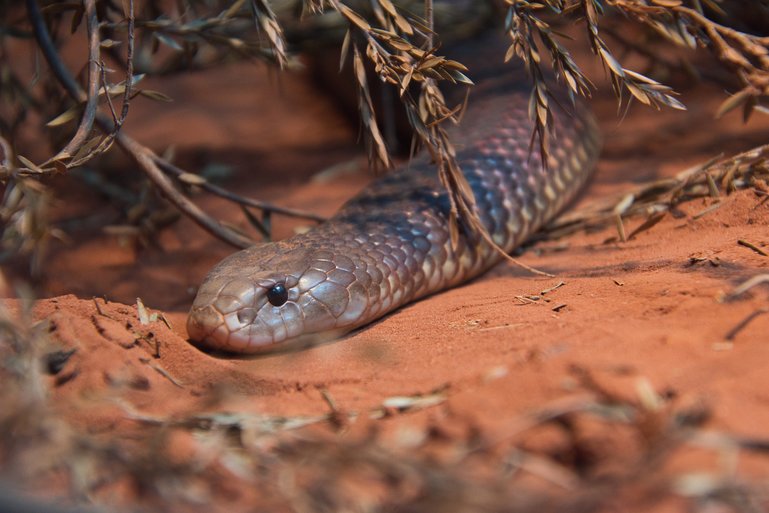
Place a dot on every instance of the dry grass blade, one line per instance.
(377, 147)
(746, 286)
(266, 20)
(656, 198)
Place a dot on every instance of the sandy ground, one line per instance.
(638, 321)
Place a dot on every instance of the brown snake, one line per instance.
(390, 244)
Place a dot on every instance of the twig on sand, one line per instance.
(744, 323)
(750, 245)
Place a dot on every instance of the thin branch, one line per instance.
(129, 69)
(48, 48)
(118, 121)
(92, 95)
(229, 195)
(147, 160)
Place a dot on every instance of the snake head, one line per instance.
(264, 299)
(245, 315)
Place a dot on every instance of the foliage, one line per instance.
(397, 40)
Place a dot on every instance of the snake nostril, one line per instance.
(246, 316)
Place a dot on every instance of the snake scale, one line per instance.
(390, 244)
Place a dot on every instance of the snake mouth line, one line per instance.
(217, 341)
(202, 323)
(208, 328)
(208, 331)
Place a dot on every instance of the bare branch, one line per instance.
(147, 160)
(92, 94)
(229, 195)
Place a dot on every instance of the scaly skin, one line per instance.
(390, 245)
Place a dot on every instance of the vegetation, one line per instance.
(129, 40)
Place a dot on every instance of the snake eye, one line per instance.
(277, 295)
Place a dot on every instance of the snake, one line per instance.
(392, 243)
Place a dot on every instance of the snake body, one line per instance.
(391, 244)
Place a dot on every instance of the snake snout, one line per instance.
(220, 314)
(203, 322)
